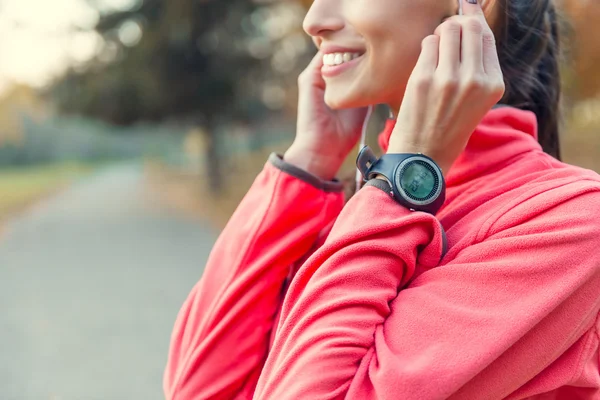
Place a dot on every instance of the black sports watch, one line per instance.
(416, 180)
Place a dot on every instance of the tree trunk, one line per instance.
(213, 160)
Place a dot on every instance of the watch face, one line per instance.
(418, 180)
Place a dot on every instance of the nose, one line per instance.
(322, 19)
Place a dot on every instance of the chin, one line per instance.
(342, 99)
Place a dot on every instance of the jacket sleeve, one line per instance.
(221, 334)
(503, 308)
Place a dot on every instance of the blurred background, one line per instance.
(111, 112)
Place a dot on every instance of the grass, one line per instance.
(20, 187)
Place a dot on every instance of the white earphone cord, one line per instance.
(363, 140)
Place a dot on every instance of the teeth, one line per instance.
(328, 59)
(339, 58)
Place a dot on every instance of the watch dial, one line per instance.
(419, 180)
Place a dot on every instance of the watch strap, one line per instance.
(386, 165)
(380, 184)
(369, 165)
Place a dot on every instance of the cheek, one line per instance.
(393, 35)
(393, 54)
(392, 31)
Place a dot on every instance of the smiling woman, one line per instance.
(465, 268)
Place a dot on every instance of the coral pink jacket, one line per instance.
(496, 297)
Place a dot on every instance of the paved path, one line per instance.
(90, 285)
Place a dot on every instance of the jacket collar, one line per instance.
(504, 133)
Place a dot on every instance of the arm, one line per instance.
(221, 335)
(498, 310)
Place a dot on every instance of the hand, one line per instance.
(454, 84)
(324, 137)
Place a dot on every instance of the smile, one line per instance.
(335, 64)
(332, 59)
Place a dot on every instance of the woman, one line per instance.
(494, 295)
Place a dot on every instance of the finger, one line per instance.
(449, 56)
(475, 8)
(317, 61)
(472, 45)
(491, 61)
(428, 60)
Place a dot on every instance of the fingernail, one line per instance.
(472, 1)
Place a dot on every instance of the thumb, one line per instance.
(315, 65)
(311, 76)
(317, 60)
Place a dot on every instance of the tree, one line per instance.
(188, 64)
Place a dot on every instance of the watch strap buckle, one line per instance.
(365, 161)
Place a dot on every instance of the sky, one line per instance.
(39, 39)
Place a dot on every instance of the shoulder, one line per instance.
(556, 194)
(555, 181)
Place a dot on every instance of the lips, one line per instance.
(337, 59)
(331, 71)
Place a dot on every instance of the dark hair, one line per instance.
(528, 41)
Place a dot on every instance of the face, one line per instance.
(371, 46)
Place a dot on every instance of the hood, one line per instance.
(504, 133)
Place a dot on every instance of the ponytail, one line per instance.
(529, 51)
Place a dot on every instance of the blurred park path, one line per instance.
(90, 285)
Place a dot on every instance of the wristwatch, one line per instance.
(415, 180)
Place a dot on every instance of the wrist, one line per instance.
(322, 166)
(405, 149)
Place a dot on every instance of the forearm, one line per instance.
(342, 294)
(221, 333)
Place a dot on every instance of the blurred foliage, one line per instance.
(170, 72)
(201, 63)
(582, 48)
(31, 133)
(195, 60)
